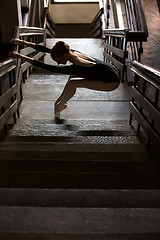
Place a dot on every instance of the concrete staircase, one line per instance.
(85, 177)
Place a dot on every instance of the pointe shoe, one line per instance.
(57, 115)
(57, 110)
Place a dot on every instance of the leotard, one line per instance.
(101, 71)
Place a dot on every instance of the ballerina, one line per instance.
(85, 71)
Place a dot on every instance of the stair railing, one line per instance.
(48, 23)
(8, 91)
(135, 33)
(14, 72)
(96, 25)
(115, 49)
(145, 103)
(136, 23)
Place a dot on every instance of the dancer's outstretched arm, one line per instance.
(18, 42)
(17, 55)
(71, 69)
(40, 48)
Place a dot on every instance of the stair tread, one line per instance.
(78, 110)
(72, 166)
(65, 137)
(76, 125)
(79, 220)
(80, 236)
(80, 198)
(70, 147)
(42, 179)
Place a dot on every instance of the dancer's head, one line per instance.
(60, 52)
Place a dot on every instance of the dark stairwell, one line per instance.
(88, 176)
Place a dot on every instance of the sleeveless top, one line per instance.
(101, 71)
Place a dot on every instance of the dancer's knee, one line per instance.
(72, 83)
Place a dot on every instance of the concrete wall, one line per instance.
(10, 16)
(73, 13)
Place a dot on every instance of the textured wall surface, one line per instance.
(151, 54)
(73, 13)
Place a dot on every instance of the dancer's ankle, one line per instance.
(60, 104)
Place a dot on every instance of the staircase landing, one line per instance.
(88, 110)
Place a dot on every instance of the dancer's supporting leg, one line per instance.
(62, 94)
(74, 83)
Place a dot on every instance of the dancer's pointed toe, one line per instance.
(57, 115)
(58, 109)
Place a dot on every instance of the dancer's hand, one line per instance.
(13, 54)
(16, 41)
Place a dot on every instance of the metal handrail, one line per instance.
(150, 74)
(137, 26)
(144, 106)
(6, 65)
(135, 33)
(24, 30)
(116, 32)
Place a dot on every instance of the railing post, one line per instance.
(132, 100)
(12, 82)
(108, 13)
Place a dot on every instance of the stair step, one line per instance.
(85, 162)
(77, 131)
(31, 149)
(79, 236)
(67, 136)
(79, 166)
(68, 221)
(79, 155)
(44, 131)
(78, 124)
(40, 165)
(67, 180)
(80, 198)
(74, 127)
(78, 110)
(74, 131)
(79, 135)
